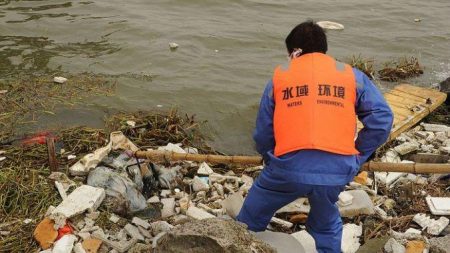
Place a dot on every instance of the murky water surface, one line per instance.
(227, 50)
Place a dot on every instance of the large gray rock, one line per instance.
(211, 235)
(282, 242)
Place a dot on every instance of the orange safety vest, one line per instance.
(315, 106)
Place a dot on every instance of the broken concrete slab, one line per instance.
(406, 148)
(233, 204)
(80, 200)
(133, 232)
(361, 204)
(168, 207)
(140, 222)
(393, 246)
(204, 169)
(65, 244)
(211, 235)
(45, 233)
(435, 127)
(391, 156)
(392, 177)
(281, 242)
(306, 240)
(119, 246)
(409, 234)
(438, 205)
(160, 226)
(198, 213)
(350, 238)
(144, 232)
(434, 227)
(152, 200)
(199, 185)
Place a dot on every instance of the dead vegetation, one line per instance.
(400, 69)
(26, 98)
(391, 71)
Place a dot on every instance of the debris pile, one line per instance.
(111, 201)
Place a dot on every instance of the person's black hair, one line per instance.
(308, 36)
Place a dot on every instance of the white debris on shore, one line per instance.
(187, 191)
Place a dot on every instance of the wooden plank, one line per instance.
(420, 96)
(410, 104)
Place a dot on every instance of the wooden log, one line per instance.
(158, 155)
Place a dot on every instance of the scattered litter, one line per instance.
(438, 206)
(2, 158)
(140, 222)
(59, 79)
(131, 123)
(198, 214)
(120, 189)
(27, 221)
(65, 244)
(80, 200)
(350, 238)
(282, 223)
(70, 157)
(133, 232)
(345, 199)
(3, 92)
(45, 233)
(417, 20)
(114, 218)
(204, 169)
(434, 227)
(330, 25)
(173, 45)
(361, 204)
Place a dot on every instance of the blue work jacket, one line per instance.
(319, 167)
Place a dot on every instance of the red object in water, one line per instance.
(66, 230)
(38, 138)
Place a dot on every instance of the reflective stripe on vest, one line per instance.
(315, 106)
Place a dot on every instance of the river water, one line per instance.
(227, 50)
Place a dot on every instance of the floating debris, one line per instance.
(400, 69)
(173, 45)
(329, 25)
(59, 79)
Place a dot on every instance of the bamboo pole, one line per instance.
(417, 168)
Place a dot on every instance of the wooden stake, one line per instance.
(52, 161)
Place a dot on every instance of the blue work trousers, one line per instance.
(277, 187)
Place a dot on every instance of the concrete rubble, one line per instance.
(187, 199)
